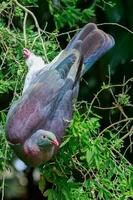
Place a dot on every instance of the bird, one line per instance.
(37, 121)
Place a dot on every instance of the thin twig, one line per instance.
(115, 123)
(106, 88)
(116, 24)
(105, 108)
(128, 134)
(24, 28)
(3, 179)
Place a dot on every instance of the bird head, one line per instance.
(44, 140)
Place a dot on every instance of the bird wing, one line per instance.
(60, 118)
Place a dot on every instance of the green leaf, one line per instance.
(65, 142)
(42, 184)
(89, 156)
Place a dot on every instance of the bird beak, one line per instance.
(55, 142)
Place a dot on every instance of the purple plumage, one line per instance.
(36, 122)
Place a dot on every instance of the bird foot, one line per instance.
(26, 53)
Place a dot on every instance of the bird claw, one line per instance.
(26, 53)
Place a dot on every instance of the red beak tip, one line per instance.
(55, 142)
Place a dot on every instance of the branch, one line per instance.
(116, 24)
(24, 28)
(36, 24)
(115, 123)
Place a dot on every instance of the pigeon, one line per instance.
(37, 121)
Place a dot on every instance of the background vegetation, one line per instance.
(95, 158)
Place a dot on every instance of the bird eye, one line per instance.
(44, 136)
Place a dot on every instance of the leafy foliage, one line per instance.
(69, 13)
(5, 154)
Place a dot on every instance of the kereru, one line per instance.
(36, 122)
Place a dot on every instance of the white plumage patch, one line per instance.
(35, 64)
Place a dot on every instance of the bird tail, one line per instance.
(95, 43)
